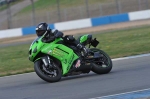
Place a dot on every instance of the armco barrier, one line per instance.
(10, 33)
(76, 24)
(109, 19)
(82, 23)
(28, 30)
(31, 30)
(119, 18)
(100, 21)
(138, 15)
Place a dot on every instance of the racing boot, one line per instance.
(84, 51)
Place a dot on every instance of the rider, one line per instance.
(43, 28)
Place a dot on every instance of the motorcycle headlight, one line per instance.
(35, 50)
(30, 51)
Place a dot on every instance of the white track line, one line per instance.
(123, 58)
(130, 57)
(120, 94)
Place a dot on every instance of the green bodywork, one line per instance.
(61, 52)
(83, 38)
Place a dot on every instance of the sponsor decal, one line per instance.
(78, 64)
(49, 52)
(58, 52)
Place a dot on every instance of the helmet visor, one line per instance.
(40, 32)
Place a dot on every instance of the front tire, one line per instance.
(104, 65)
(47, 75)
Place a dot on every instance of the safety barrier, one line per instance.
(82, 23)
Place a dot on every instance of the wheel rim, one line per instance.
(51, 72)
(103, 61)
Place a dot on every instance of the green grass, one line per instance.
(125, 42)
(4, 6)
(14, 59)
(47, 5)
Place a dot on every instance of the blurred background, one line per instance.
(130, 37)
(23, 13)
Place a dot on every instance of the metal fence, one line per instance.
(86, 9)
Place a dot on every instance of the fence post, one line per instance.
(87, 7)
(147, 6)
(139, 4)
(58, 10)
(65, 15)
(118, 6)
(48, 17)
(8, 15)
(81, 13)
(33, 13)
(101, 9)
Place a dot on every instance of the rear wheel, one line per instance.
(103, 64)
(47, 74)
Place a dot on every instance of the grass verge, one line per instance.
(4, 6)
(44, 5)
(121, 43)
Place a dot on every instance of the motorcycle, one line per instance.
(55, 59)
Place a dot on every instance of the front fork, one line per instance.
(47, 62)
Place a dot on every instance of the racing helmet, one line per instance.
(42, 28)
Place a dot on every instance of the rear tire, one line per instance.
(102, 67)
(45, 74)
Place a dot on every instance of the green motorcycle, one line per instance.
(56, 59)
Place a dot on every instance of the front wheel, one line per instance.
(103, 64)
(49, 75)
